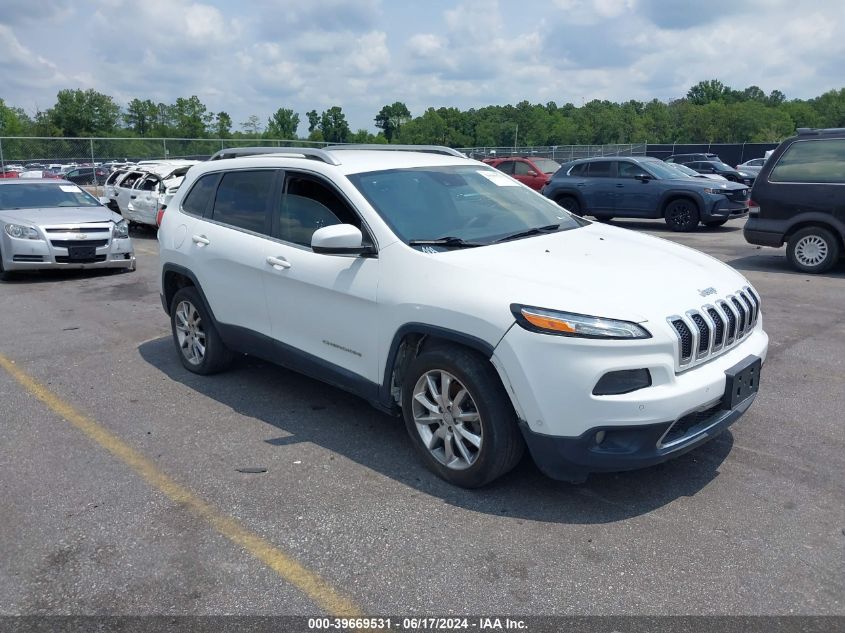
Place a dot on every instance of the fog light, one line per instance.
(615, 383)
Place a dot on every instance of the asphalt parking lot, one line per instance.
(122, 490)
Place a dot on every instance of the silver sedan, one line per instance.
(55, 224)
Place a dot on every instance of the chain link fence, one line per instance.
(21, 151)
(560, 153)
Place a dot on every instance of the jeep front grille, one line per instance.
(714, 328)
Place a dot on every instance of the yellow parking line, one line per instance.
(308, 582)
(145, 251)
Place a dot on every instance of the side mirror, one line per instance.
(339, 239)
(531, 172)
(644, 178)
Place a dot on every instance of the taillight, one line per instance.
(160, 215)
(753, 207)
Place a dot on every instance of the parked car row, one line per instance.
(137, 193)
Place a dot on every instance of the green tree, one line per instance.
(707, 91)
(252, 126)
(140, 116)
(313, 120)
(333, 125)
(222, 125)
(84, 113)
(191, 117)
(391, 118)
(283, 124)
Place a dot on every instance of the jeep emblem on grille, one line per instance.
(707, 292)
(81, 236)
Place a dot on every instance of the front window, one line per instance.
(36, 196)
(464, 202)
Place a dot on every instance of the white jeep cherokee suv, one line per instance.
(437, 287)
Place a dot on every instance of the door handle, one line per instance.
(201, 239)
(133, 197)
(278, 262)
(618, 186)
(580, 184)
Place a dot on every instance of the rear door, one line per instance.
(122, 190)
(599, 189)
(228, 247)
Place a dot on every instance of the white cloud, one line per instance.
(361, 54)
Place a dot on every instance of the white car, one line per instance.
(137, 194)
(439, 288)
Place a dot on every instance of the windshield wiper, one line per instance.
(448, 241)
(538, 230)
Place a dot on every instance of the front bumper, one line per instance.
(726, 208)
(22, 255)
(624, 447)
(551, 381)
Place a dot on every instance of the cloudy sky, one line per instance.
(252, 57)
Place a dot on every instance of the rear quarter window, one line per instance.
(196, 202)
(812, 161)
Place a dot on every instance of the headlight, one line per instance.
(580, 325)
(121, 229)
(711, 190)
(22, 232)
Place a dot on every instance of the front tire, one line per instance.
(571, 204)
(681, 215)
(459, 418)
(200, 348)
(813, 250)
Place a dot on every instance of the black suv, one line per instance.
(799, 198)
(688, 158)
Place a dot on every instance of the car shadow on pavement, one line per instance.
(776, 262)
(306, 410)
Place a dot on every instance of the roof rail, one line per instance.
(428, 149)
(819, 130)
(307, 152)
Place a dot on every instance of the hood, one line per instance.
(598, 270)
(60, 215)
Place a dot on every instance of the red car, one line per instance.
(534, 172)
(9, 174)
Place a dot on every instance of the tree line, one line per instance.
(710, 112)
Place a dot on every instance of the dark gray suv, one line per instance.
(642, 187)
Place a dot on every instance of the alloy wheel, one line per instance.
(190, 332)
(447, 419)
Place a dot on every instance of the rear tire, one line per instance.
(813, 250)
(571, 204)
(681, 215)
(459, 418)
(200, 348)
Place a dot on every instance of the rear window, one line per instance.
(812, 161)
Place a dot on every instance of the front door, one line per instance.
(322, 307)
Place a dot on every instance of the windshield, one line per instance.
(547, 165)
(685, 170)
(661, 169)
(38, 195)
(470, 203)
